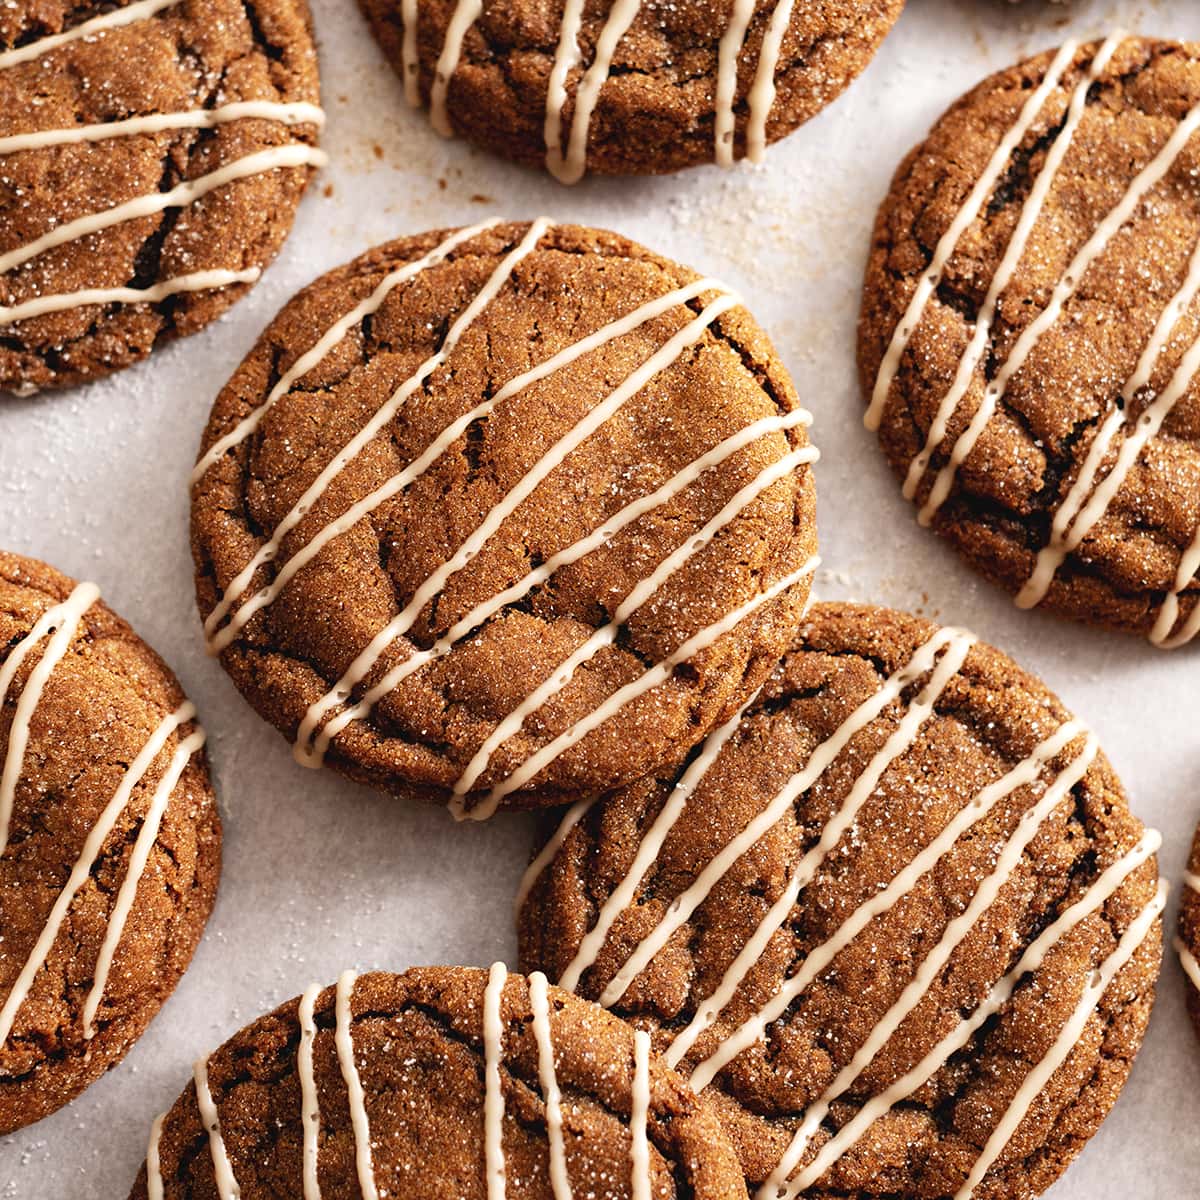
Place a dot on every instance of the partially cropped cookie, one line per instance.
(895, 921)
(629, 88)
(109, 838)
(1030, 332)
(444, 1081)
(495, 514)
(152, 154)
(1187, 943)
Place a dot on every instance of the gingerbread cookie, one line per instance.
(109, 838)
(630, 88)
(444, 1081)
(1030, 332)
(893, 919)
(493, 514)
(1187, 942)
(152, 155)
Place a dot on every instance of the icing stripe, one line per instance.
(651, 678)
(762, 91)
(59, 622)
(549, 852)
(1187, 960)
(560, 1183)
(639, 1146)
(1031, 210)
(732, 41)
(298, 113)
(962, 220)
(147, 838)
(378, 421)
(344, 1040)
(137, 11)
(931, 966)
(1168, 614)
(566, 56)
(1022, 775)
(641, 594)
(227, 1184)
(92, 847)
(1191, 880)
(396, 628)
(408, 51)
(154, 1179)
(686, 903)
(493, 1107)
(197, 281)
(465, 14)
(1093, 899)
(180, 196)
(310, 1109)
(1058, 1054)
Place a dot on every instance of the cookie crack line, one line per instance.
(322, 723)
(1091, 495)
(938, 660)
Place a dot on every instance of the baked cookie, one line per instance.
(1187, 943)
(444, 1081)
(152, 154)
(1030, 332)
(894, 920)
(627, 88)
(110, 842)
(495, 513)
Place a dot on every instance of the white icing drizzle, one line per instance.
(971, 208)
(549, 852)
(931, 966)
(560, 1183)
(466, 13)
(641, 593)
(493, 1105)
(1168, 614)
(137, 11)
(1187, 960)
(1093, 899)
(1030, 1089)
(408, 53)
(344, 1041)
(197, 281)
(92, 847)
(566, 56)
(1031, 210)
(1022, 775)
(627, 693)
(227, 1184)
(732, 41)
(59, 623)
(762, 91)
(180, 196)
(310, 1109)
(1191, 880)
(290, 114)
(686, 903)
(329, 339)
(639, 1147)
(217, 641)
(154, 1179)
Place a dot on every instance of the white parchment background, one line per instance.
(320, 874)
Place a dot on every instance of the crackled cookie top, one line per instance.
(1187, 943)
(109, 838)
(495, 513)
(442, 1081)
(629, 87)
(1030, 332)
(152, 154)
(894, 919)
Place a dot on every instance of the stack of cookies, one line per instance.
(521, 516)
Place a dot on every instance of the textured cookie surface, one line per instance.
(530, 516)
(85, 162)
(401, 1075)
(866, 920)
(658, 92)
(1188, 944)
(1028, 338)
(109, 838)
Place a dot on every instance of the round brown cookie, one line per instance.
(657, 89)
(613, 435)
(1028, 332)
(84, 164)
(866, 919)
(1188, 941)
(110, 842)
(397, 1074)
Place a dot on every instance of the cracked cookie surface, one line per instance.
(688, 481)
(421, 1044)
(1188, 943)
(1039, 396)
(100, 909)
(183, 57)
(863, 920)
